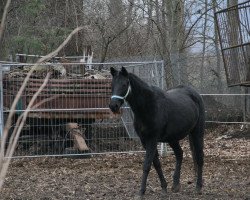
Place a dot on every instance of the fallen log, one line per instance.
(77, 135)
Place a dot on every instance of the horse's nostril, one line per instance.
(113, 107)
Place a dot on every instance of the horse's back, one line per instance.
(184, 106)
(185, 90)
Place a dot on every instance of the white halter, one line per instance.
(120, 97)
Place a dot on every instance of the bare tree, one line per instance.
(203, 46)
(233, 35)
(131, 29)
(217, 51)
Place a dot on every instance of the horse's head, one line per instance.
(120, 88)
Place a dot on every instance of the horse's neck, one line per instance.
(141, 95)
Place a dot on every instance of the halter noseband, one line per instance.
(120, 97)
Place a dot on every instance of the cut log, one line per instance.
(78, 136)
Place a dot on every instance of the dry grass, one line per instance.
(226, 174)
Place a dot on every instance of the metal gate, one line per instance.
(71, 115)
(233, 24)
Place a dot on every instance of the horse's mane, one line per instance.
(137, 83)
(141, 96)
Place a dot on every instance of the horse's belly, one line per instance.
(174, 136)
(179, 130)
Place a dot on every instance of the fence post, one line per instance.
(162, 75)
(1, 102)
(163, 146)
(2, 69)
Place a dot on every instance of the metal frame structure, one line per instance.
(73, 99)
(233, 25)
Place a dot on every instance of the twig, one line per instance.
(11, 148)
(2, 25)
(20, 118)
(4, 162)
(12, 109)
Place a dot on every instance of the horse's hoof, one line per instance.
(176, 188)
(141, 194)
(164, 190)
(139, 197)
(199, 190)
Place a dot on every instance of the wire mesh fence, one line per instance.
(227, 108)
(74, 118)
(71, 114)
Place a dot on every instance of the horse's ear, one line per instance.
(113, 71)
(124, 71)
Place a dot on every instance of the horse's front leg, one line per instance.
(157, 165)
(151, 147)
(179, 156)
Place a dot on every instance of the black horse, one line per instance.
(162, 117)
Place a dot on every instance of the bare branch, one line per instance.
(12, 109)
(4, 162)
(192, 26)
(2, 26)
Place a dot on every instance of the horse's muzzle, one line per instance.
(115, 105)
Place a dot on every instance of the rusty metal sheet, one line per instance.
(69, 94)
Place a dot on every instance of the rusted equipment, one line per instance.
(73, 98)
(233, 24)
(69, 106)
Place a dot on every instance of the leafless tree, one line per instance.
(217, 51)
(118, 29)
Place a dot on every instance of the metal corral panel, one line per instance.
(72, 111)
(233, 25)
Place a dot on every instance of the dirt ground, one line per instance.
(226, 173)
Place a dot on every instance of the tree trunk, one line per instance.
(175, 10)
(150, 17)
(116, 12)
(233, 35)
(203, 49)
(165, 50)
(130, 12)
(217, 50)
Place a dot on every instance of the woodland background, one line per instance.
(181, 32)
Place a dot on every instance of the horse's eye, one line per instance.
(124, 85)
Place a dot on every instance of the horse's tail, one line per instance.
(200, 125)
(196, 138)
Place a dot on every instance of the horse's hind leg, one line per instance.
(196, 144)
(193, 154)
(179, 156)
(157, 166)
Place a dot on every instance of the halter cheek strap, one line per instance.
(120, 97)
